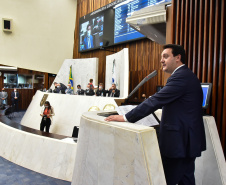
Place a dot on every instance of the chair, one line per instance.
(93, 108)
(109, 107)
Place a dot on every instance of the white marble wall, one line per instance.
(68, 110)
(83, 69)
(122, 71)
(211, 167)
(112, 153)
(44, 155)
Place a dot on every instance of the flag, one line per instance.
(70, 81)
(113, 73)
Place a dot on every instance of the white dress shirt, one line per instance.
(177, 69)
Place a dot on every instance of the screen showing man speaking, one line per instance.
(91, 33)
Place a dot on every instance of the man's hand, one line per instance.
(41, 114)
(15, 98)
(118, 118)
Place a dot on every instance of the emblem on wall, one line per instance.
(43, 100)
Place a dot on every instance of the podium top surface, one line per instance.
(123, 125)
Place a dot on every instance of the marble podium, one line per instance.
(113, 153)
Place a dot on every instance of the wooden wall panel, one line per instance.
(25, 94)
(144, 55)
(25, 98)
(198, 25)
(206, 50)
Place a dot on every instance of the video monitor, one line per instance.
(107, 25)
(123, 32)
(206, 88)
(91, 33)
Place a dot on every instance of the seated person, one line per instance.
(69, 90)
(101, 91)
(59, 88)
(3, 98)
(89, 91)
(80, 91)
(113, 92)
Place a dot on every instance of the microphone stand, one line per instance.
(150, 76)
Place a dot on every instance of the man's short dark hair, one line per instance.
(78, 85)
(176, 50)
(88, 26)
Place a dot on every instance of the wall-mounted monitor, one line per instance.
(107, 26)
(91, 33)
(206, 88)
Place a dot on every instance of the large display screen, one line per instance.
(91, 33)
(107, 26)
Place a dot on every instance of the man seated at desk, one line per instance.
(69, 90)
(89, 91)
(80, 91)
(101, 91)
(113, 92)
(59, 88)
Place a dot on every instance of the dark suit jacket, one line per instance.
(86, 42)
(181, 129)
(117, 93)
(89, 92)
(61, 89)
(81, 92)
(99, 92)
(13, 95)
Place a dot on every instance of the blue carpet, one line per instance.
(12, 174)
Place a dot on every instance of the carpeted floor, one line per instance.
(12, 174)
(16, 116)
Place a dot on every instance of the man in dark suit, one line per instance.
(59, 88)
(88, 40)
(182, 135)
(15, 98)
(101, 91)
(89, 91)
(113, 92)
(80, 91)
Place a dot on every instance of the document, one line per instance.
(147, 121)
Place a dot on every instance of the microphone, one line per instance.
(151, 75)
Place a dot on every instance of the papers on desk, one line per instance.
(147, 121)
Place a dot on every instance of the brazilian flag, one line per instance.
(70, 81)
